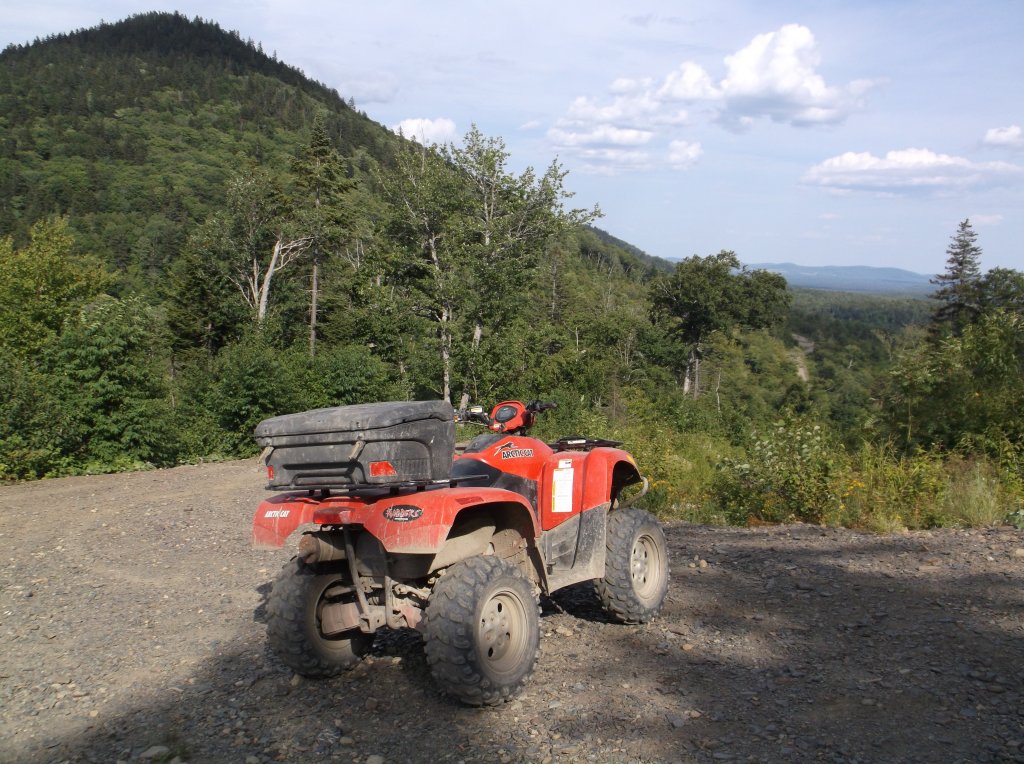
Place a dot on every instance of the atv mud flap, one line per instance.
(575, 550)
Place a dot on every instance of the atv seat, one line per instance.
(471, 472)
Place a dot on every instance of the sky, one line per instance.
(822, 132)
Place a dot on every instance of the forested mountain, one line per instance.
(194, 236)
(133, 129)
(852, 278)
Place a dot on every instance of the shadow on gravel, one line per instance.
(779, 651)
(259, 615)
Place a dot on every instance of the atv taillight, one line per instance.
(382, 469)
(270, 472)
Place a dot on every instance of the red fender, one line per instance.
(411, 523)
(277, 518)
(600, 470)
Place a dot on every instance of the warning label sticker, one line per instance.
(561, 490)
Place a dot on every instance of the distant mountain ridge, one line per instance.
(851, 278)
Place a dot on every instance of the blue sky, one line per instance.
(821, 133)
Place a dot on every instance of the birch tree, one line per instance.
(426, 197)
(476, 231)
(260, 238)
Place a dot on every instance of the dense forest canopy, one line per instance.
(196, 236)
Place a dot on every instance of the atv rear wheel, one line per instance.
(482, 630)
(636, 566)
(293, 623)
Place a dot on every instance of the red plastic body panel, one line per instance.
(585, 476)
(516, 455)
(278, 518)
(416, 522)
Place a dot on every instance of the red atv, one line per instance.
(408, 533)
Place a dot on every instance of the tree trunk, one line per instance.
(446, 355)
(696, 375)
(264, 290)
(312, 307)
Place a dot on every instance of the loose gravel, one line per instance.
(132, 611)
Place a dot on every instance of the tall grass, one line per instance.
(797, 472)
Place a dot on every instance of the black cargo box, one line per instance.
(335, 447)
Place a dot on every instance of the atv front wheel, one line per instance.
(636, 566)
(293, 622)
(482, 630)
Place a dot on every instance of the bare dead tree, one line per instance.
(254, 281)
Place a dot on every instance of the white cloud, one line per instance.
(611, 161)
(427, 131)
(689, 83)
(599, 134)
(908, 170)
(532, 124)
(636, 110)
(986, 219)
(1012, 137)
(776, 76)
(683, 154)
(628, 85)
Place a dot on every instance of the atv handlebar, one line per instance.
(507, 416)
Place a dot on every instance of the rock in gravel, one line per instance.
(374, 759)
(154, 752)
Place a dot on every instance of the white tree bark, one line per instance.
(255, 283)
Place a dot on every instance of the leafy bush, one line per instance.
(797, 472)
(889, 491)
(106, 374)
(794, 471)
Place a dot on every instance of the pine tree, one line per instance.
(958, 286)
(321, 208)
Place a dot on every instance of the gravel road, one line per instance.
(133, 621)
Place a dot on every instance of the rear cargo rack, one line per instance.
(392, 488)
(576, 443)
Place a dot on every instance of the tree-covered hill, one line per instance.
(133, 129)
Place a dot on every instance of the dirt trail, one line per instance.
(132, 617)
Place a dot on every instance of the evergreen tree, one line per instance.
(204, 309)
(958, 286)
(321, 208)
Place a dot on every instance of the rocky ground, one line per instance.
(133, 624)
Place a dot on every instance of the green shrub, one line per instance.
(889, 491)
(795, 471)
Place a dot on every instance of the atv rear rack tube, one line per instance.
(580, 443)
(393, 488)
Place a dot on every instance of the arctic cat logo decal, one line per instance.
(509, 451)
(403, 513)
(517, 453)
(276, 513)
